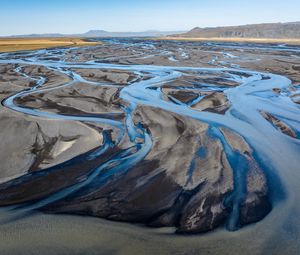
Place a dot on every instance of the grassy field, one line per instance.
(250, 40)
(18, 44)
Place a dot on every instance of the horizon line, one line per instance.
(147, 30)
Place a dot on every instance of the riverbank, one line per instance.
(19, 44)
(231, 39)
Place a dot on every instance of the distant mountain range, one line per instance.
(268, 30)
(103, 33)
(290, 30)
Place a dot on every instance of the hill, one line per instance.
(267, 30)
(102, 33)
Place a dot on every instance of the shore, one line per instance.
(231, 39)
(19, 44)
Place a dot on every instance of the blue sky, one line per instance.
(77, 16)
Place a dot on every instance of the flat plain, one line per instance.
(176, 147)
(17, 44)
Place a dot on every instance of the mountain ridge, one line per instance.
(100, 33)
(262, 30)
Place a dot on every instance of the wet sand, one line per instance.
(63, 234)
(233, 39)
(165, 172)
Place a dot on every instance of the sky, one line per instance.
(79, 16)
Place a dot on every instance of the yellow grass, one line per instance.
(219, 39)
(18, 44)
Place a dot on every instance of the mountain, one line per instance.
(267, 30)
(103, 33)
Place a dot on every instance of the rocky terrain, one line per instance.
(267, 30)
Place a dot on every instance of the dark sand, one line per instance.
(33, 144)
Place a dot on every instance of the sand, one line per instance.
(278, 233)
(232, 39)
(19, 44)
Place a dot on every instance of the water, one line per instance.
(277, 153)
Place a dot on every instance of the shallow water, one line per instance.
(277, 154)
